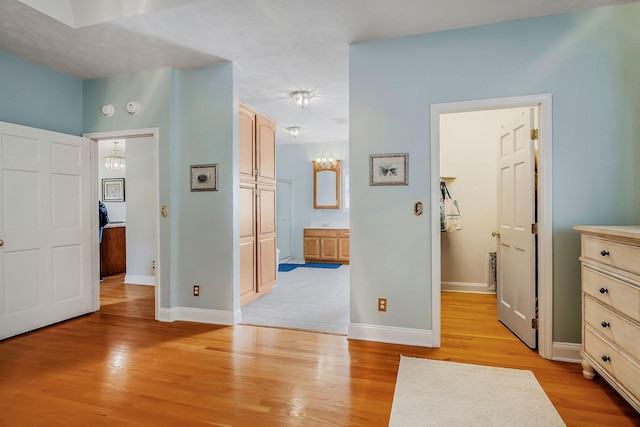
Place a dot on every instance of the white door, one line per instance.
(45, 226)
(516, 214)
(284, 209)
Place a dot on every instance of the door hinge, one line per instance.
(534, 324)
(534, 228)
(534, 134)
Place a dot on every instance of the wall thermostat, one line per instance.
(133, 107)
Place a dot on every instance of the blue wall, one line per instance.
(36, 96)
(590, 63)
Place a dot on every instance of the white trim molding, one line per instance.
(468, 287)
(567, 352)
(391, 334)
(199, 315)
(131, 279)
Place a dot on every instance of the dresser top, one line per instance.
(629, 231)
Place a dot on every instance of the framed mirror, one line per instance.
(326, 186)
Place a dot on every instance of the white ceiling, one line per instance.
(279, 45)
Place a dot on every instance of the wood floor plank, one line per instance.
(120, 367)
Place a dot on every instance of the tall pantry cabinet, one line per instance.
(257, 204)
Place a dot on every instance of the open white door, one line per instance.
(516, 241)
(284, 212)
(45, 227)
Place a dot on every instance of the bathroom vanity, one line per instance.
(328, 244)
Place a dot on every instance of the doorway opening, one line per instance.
(544, 271)
(130, 245)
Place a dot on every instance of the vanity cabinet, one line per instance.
(257, 224)
(326, 245)
(113, 250)
(610, 260)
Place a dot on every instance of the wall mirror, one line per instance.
(326, 186)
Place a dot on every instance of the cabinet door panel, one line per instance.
(343, 249)
(311, 247)
(247, 145)
(329, 248)
(266, 150)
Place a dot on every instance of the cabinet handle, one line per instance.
(605, 358)
(604, 290)
(604, 253)
(605, 324)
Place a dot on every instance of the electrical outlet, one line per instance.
(196, 290)
(382, 304)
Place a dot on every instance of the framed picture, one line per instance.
(113, 190)
(389, 169)
(204, 177)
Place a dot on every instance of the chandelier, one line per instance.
(302, 97)
(325, 162)
(115, 161)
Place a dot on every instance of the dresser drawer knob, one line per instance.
(604, 290)
(605, 324)
(605, 358)
(604, 253)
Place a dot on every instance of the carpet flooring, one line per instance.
(313, 299)
(441, 393)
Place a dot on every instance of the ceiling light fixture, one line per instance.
(302, 97)
(294, 130)
(116, 161)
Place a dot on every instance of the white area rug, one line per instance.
(437, 393)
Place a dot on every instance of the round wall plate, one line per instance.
(107, 110)
(133, 107)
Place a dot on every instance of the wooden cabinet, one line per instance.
(257, 170)
(257, 147)
(113, 251)
(326, 245)
(611, 307)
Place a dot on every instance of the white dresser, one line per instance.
(611, 307)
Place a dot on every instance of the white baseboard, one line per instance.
(390, 334)
(566, 352)
(131, 279)
(473, 288)
(199, 315)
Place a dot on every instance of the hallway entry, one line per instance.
(471, 154)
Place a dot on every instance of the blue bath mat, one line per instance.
(288, 267)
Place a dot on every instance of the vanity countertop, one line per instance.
(114, 224)
(332, 225)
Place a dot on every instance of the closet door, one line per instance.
(266, 238)
(265, 150)
(247, 144)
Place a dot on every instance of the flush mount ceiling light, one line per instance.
(302, 97)
(294, 130)
(116, 161)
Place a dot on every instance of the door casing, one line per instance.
(95, 252)
(545, 219)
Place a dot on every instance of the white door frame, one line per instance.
(291, 192)
(545, 218)
(95, 252)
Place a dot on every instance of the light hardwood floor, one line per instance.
(108, 368)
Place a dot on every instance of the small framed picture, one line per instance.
(389, 169)
(204, 177)
(113, 190)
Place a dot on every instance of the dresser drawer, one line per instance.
(621, 332)
(618, 255)
(625, 370)
(612, 292)
(344, 233)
